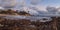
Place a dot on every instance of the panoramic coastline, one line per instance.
(29, 14)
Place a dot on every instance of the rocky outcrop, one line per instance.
(26, 24)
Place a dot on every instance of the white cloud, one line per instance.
(38, 7)
(41, 8)
(31, 11)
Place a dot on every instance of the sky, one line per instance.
(40, 4)
(30, 5)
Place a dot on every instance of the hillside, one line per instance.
(12, 12)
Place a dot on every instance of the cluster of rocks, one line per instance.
(25, 24)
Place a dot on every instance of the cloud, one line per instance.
(38, 7)
(35, 2)
(31, 11)
(52, 9)
(41, 8)
(34, 10)
(7, 3)
(22, 5)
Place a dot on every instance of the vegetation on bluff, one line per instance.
(12, 12)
